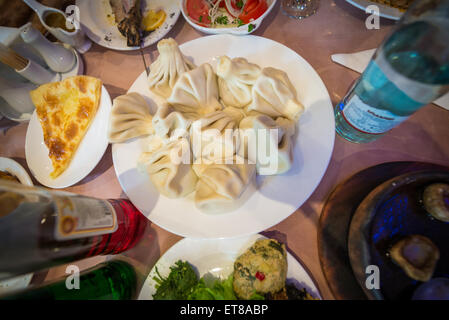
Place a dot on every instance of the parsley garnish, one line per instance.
(251, 27)
(200, 19)
(222, 20)
(240, 22)
(239, 4)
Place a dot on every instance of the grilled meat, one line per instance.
(128, 15)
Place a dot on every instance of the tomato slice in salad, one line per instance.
(236, 4)
(252, 10)
(198, 10)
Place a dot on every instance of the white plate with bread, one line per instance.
(86, 156)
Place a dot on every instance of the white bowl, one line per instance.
(242, 30)
(14, 168)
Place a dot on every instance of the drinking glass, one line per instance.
(299, 9)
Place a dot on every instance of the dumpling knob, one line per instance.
(417, 256)
(168, 67)
(436, 201)
(236, 78)
(435, 289)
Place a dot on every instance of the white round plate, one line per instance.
(242, 30)
(89, 153)
(276, 197)
(17, 283)
(14, 168)
(385, 11)
(217, 258)
(102, 29)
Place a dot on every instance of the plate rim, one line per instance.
(245, 239)
(92, 36)
(28, 140)
(247, 233)
(17, 170)
(362, 7)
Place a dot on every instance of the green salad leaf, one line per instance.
(257, 296)
(179, 283)
(182, 283)
(214, 290)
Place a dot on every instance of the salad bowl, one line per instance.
(244, 29)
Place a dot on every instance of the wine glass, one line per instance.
(299, 9)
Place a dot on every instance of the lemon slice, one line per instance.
(153, 20)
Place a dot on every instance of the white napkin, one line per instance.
(359, 61)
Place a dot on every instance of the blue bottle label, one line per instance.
(367, 119)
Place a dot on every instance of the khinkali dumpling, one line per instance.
(170, 169)
(170, 123)
(196, 91)
(220, 186)
(236, 78)
(274, 95)
(216, 135)
(275, 137)
(130, 118)
(166, 70)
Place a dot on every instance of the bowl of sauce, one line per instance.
(57, 20)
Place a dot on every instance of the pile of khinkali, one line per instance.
(209, 127)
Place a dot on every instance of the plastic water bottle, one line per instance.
(408, 71)
(42, 228)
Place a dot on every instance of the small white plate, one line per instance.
(217, 257)
(272, 198)
(89, 153)
(14, 168)
(242, 30)
(385, 11)
(14, 284)
(103, 30)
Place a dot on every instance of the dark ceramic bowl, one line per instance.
(390, 212)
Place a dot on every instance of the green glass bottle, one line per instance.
(114, 280)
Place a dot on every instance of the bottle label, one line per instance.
(367, 119)
(79, 217)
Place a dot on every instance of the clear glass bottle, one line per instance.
(40, 228)
(113, 280)
(408, 71)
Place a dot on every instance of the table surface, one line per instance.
(336, 28)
